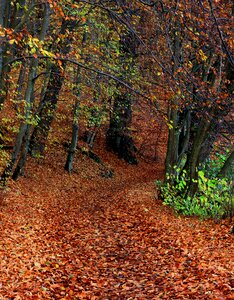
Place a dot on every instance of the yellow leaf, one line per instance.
(11, 42)
(190, 65)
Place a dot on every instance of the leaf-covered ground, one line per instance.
(83, 236)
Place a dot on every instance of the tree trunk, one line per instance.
(4, 16)
(75, 126)
(16, 150)
(9, 18)
(24, 126)
(45, 84)
(22, 138)
(227, 168)
(23, 157)
(74, 140)
(172, 143)
(202, 133)
(173, 116)
(47, 111)
(19, 89)
(19, 12)
(49, 103)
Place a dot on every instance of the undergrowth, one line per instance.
(213, 199)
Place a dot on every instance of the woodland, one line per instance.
(116, 149)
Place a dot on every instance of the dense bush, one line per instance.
(213, 199)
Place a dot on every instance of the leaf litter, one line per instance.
(83, 236)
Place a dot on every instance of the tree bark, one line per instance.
(172, 143)
(24, 126)
(9, 18)
(74, 140)
(173, 116)
(19, 89)
(23, 135)
(227, 168)
(4, 16)
(202, 134)
(49, 103)
(75, 125)
(47, 111)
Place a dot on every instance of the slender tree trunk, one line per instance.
(4, 16)
(3, 4)
(47, 111)
(49, 103)
(91, 137)
(16, 150)
(19, 12)
(45, 84)
(75, 125)
(172, 143)
(74, 140)
(19, 89)
(22, 138)
(9, 17)
(228, 166)
(23, 157)
(25, 143)
(173, 116)
(24, 126)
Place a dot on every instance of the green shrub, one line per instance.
(213, 165)
(213, 198)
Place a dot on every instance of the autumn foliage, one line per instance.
(108, 111)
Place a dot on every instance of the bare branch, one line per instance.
(91, 69)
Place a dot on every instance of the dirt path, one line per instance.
(86, 237)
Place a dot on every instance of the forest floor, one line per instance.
(83, 236)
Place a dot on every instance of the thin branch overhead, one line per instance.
(91, 69)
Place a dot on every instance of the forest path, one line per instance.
(87, 237)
